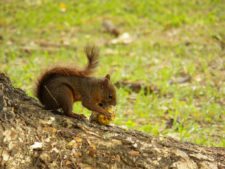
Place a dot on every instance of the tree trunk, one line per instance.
(32, 138)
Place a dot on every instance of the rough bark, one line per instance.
(32, 138)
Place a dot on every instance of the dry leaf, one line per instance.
(50, 129)
(5, 156)
(92, 150)
(72, 144)
(124, 38)
(36, 146)
(134, 153)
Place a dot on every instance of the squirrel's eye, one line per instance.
(110, 97)
(100, 104)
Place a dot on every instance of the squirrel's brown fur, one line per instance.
(59, 87)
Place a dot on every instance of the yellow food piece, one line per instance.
(111, 110)
(101, 119)
(104, 120)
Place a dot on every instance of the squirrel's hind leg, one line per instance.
(64, 98)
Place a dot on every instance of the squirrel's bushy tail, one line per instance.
(92, 54)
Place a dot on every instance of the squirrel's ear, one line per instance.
(105, 82)
(107, 76)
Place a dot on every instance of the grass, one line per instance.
(172, 39)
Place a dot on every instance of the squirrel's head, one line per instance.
(108, 92)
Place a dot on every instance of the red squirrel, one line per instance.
(60, 87)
